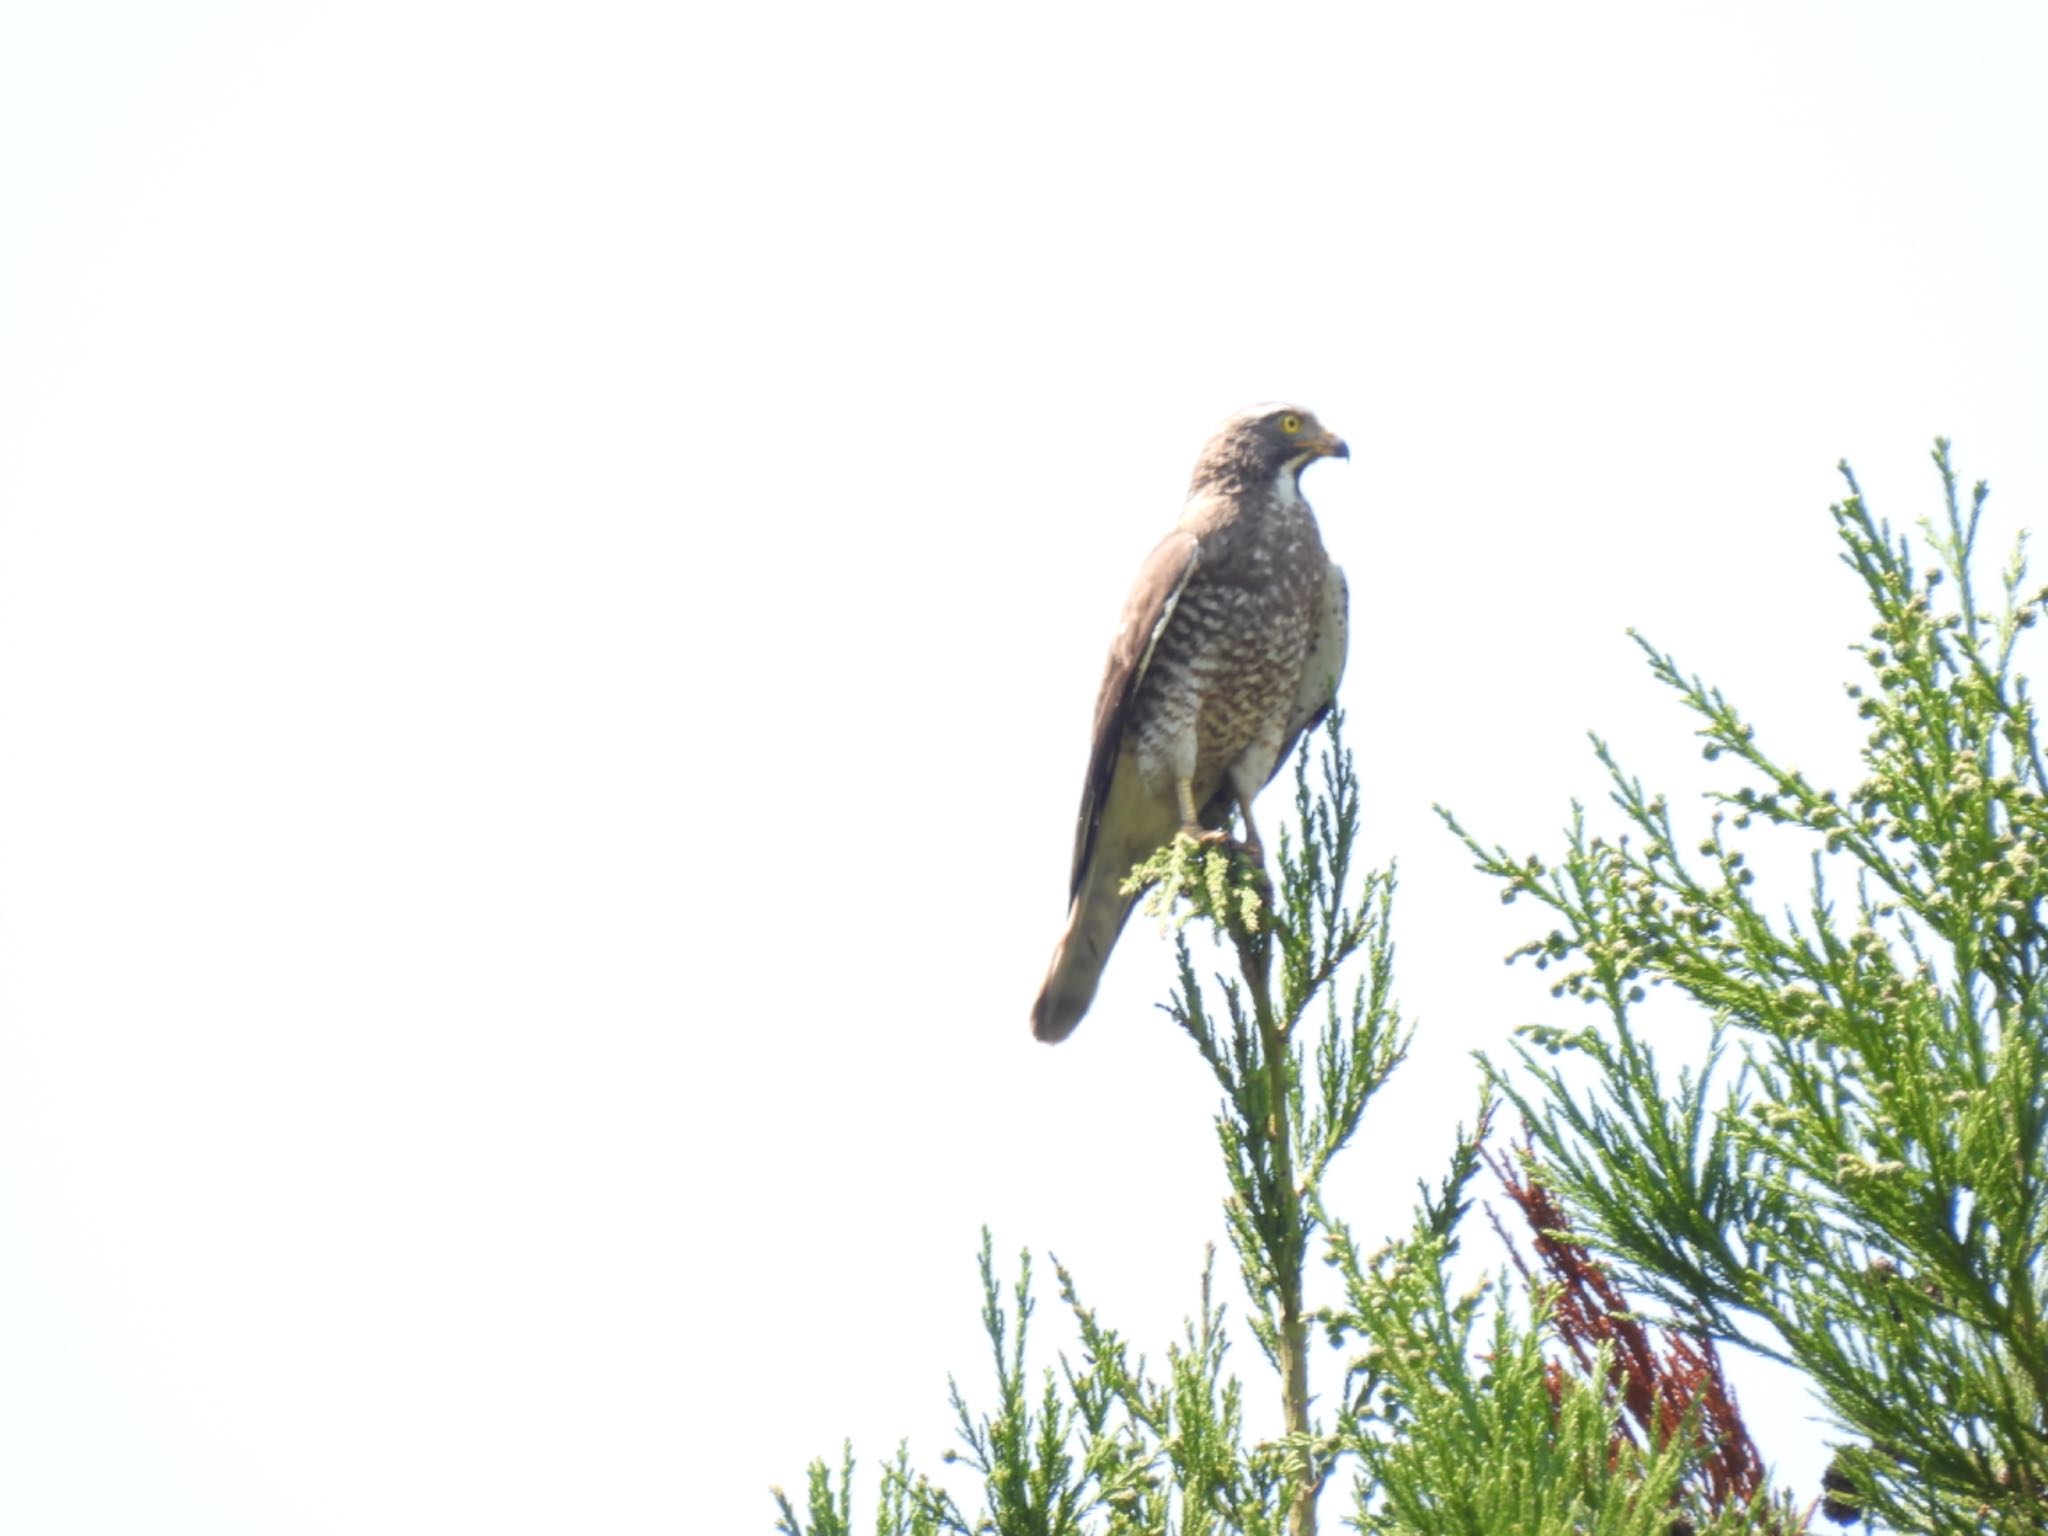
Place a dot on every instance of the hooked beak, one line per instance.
(1332, 446)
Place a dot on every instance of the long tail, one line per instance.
(1093, 923)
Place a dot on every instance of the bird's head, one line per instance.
(1263, 443)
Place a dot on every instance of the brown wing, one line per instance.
(1146, 612)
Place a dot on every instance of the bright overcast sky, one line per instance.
(554, 561)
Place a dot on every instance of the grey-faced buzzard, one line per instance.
(1231, 645)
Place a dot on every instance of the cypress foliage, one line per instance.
(1852, 1181)
(1855, 1183)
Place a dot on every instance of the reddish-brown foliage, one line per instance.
(1670, 1383)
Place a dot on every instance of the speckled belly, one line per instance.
(1222, 679)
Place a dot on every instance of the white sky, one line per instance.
(553, 563)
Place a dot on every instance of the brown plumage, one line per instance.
(1231, 645)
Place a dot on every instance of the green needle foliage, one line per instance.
(1299, 1039)
(1464, 1424)
(1852, 1180)
(1289, 1106)
(1856, 1182)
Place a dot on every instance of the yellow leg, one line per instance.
(1190, 817)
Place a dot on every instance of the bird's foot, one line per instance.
(1219, 837)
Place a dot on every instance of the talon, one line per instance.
(1219, 837)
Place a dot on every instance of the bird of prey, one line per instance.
(1231, 645)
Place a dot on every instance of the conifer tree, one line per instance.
(1852, 1182)
(1855, 1182)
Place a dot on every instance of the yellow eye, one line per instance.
(1290, 424)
